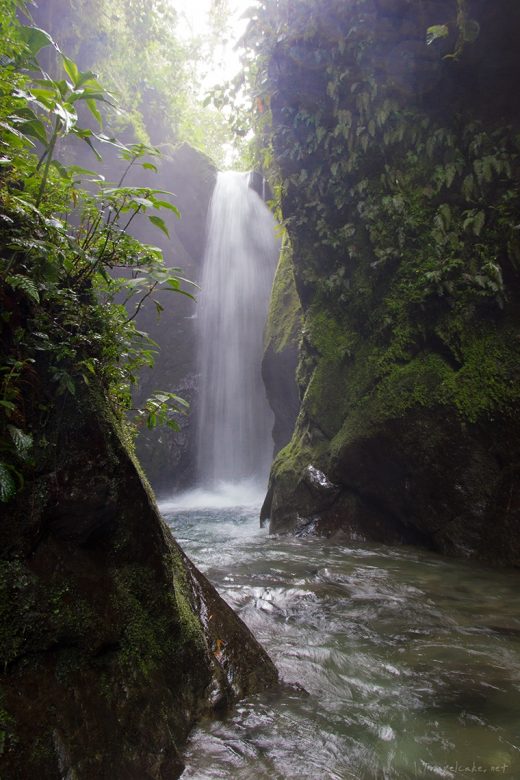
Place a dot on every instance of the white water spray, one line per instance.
(234, 439)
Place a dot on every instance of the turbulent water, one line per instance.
(410, 662)
(234, 419)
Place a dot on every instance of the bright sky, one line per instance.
(193, 21)
(195, 15)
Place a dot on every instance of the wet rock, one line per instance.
(112, 644)
(260, 185)
(282, 339)
(408, 394)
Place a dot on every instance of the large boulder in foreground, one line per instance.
(112, 643)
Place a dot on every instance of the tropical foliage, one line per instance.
(161, 88)
(72, 278)
(400, 195)
(327, 117)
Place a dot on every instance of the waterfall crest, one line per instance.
(234, 421)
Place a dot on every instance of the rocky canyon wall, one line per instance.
(399, 163)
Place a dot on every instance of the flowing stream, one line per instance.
(410, 662)
(234, 419)
(398, 663)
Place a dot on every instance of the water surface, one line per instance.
(409, 662)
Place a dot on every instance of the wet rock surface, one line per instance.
(112, 643)
(407, 392)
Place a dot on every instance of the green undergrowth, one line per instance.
(72, 276)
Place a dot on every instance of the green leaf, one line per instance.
(15, 132)
(35, 39)
(24, 283)
(35, 129)
(71, 69)
(68, 117)
(22, 441)
(90, 78)
(131, 284)
(67, 383)
(158, 222)
(89, 143)
(164, 204)
(478, 222)
(435, 32)
(144, 202)
(445, 215)
(92, 107)
(79, 171)
(7, 483)
(149, 167)
(62, 169)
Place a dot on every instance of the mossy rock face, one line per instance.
(401, 215)
(281, 343)
(108, 653)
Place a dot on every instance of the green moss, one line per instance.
(485, 384)
(18, 610)
(284, 319)
(488, 383)
(146, 635)
(191, 632)
(325, 399)
(157, 624)
(327, 333)
(419, 382)
(292, 458)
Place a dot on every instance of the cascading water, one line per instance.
(234, 440)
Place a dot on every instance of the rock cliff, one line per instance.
(112, 643)
(399, 161)
(281, 341)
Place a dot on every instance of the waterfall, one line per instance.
(234, 420)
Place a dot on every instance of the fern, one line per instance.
(22, 441)
(25, 284)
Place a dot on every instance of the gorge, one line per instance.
(346, 478)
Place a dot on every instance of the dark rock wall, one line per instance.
(112, 643)
(281, 343)
(399, 163)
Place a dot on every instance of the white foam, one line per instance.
(225, 495)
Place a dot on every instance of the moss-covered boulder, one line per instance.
(399, 161)
(112, 644)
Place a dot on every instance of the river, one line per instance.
(404, 664)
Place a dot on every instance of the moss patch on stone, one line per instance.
(106, 662)
(284, 318)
